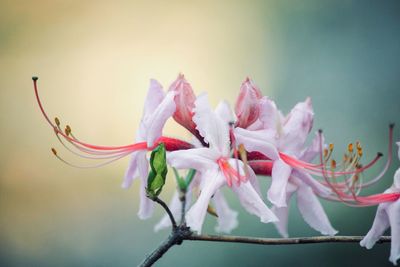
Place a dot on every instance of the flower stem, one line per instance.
(165, 206)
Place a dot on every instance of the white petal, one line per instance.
(227, 218)
(398, 149)
(252, 202)
(196, 214)
(280, 176)
(201, 159)
(146, 205)
(312, 211)
(396, 180)
(283, 213)
(224, 111)
(156, 121)
(381, 223)
(316, 186)
(393, 212)
(132, 170)
(214, 130)
(256, 141)
(175, 207)
(313, 149)
(296, 127)
(154, 97)
(269, 114)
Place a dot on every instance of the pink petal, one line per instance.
(214, 130)
(196, 214)
(247, 106)
(269, 114)
(312, 211)
(227, 218)
(252, 202)
(184, 100)
(379, 226)
(256, 141)
(201, 159)
(155, 123)
(280, 176)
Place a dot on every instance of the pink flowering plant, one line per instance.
(234, 148)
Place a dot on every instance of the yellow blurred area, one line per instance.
(94, 60)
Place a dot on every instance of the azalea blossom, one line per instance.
(158, 108)
(387, 215)
(216, 166)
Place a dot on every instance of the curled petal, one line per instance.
(214, 130)
(312, 211)
(227, 218)
(252, 202)
(296, 127)
(247, 106)
(196, 214)
(146, 205)
(184, 100)
(201, 159)
(154, 97)
(396, 180)
(256, 141)
(309, 153)
(379, 226)
(280, 176)
(157, 120)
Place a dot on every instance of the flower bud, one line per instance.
(247, 106)
(184, 100)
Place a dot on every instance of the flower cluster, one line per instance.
(233, 148)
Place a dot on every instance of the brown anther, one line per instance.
(360, 152)
(57, 121)
(325, 153)
(358, 145)
(345, 157)
(54, 151)
(212, 211)
(350, 148)
(333, 164)
(67, 130)
(331, 146)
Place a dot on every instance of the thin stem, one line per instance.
(182, 198)
(165, 206)
(282, 241)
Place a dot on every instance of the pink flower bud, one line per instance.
(247, 106)
(184, 100)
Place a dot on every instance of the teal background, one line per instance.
(95, 58)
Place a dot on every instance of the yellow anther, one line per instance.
(212, 211)
(360, 152)
(325, 153)
(331, 146)
(333, 164)
(54, 151)
(350, 148)
(57, 121)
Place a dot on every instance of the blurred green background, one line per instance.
(94, 60)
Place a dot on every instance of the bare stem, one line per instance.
(165, 206)
(183, 200)
(282, 241)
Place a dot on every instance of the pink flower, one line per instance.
(215, 166)
(158, 108)
(387, 215)
(247, 107)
